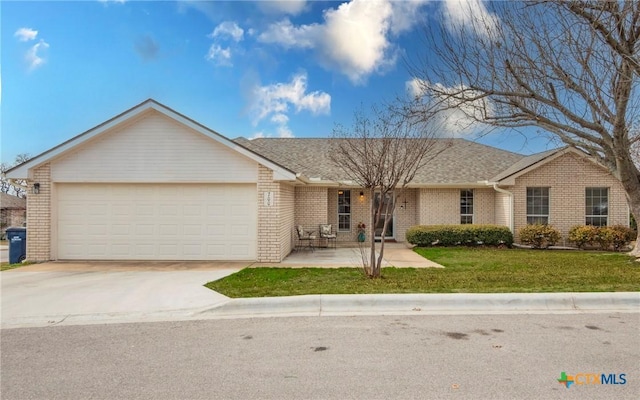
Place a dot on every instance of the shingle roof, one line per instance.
(464, 162)
(13, 202)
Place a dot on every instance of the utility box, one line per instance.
(17, 238)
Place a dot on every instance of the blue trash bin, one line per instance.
(17, 238)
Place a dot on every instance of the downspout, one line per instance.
(508, 193)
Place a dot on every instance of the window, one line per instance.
(538, 205)
(596, 206)
(466, 206)
(344, 210)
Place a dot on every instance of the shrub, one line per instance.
(539, 236)
(606, 237)
(620, 236)
(583, 235)
(455, 235)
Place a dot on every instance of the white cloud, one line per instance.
(405, 15)
(354, 38)
(219, 55)
(26, 34)
(284, 131)
(279, 118)
(288, 35)
(275, 101)
(113, 1)
(33, 57)
(457, 118)
(469, 15)
(291, 7)
(229, 29)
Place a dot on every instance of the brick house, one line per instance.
(152, 184)
(13, 211)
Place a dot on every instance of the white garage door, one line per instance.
(157, 221)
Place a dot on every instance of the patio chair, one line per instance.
(327, 234)
(305, 236)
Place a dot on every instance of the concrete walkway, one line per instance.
(397, 255)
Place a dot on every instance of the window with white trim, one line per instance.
(466, 206)
(537, 205)
(596, 206)
(344, 210)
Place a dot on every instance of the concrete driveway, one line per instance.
(95, 292)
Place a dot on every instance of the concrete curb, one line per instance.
(365, 304)
(465, 303)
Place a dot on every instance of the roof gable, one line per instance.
(534, 161)
(22, 171)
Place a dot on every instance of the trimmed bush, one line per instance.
(606, 237)
(620, 236)
(459, 235)
(582, 235)
(539, 236)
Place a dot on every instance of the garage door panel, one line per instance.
(149, 221)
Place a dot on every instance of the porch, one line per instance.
(349, 254)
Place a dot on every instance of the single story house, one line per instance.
(13, 211)
(152, 184)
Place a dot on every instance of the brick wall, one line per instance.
(439, 206)
(311, 208)
(39, 216)
(567, 177)
(406, 214)
(269, 229)
(484, 209)
(442, 206)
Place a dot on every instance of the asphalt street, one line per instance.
(392, 357)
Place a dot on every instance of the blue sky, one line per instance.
(252, 69)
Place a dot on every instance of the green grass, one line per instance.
(7, 266)
(467, 271)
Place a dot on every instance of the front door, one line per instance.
(388, 200)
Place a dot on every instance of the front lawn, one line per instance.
(467, 271)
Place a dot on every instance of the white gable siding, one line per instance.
(153, 148)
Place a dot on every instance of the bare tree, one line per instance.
(382, 154)
(17, 188)
(568, 67)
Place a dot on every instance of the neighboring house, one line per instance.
(152, 184)
(13, 211)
